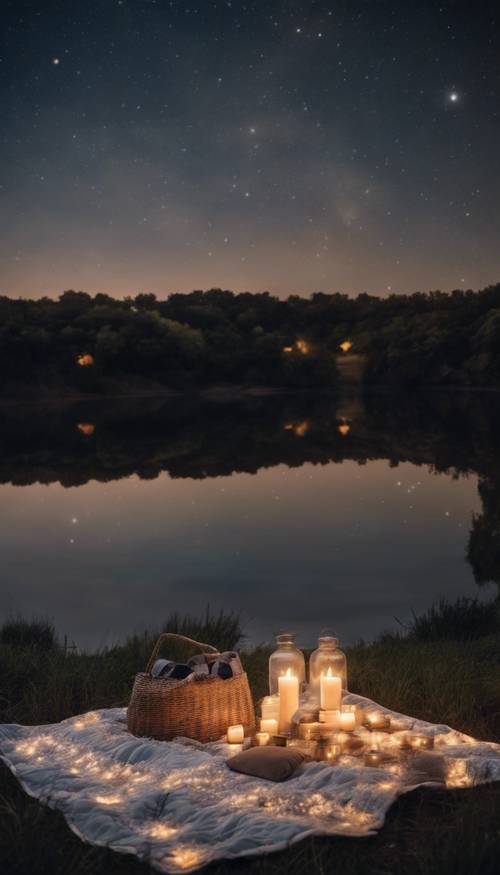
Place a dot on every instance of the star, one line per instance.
(56, 61)
(453, 97)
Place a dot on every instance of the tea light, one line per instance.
(269, 725)
(288, 685)
(378, 720)
(347, 721)
(372, 758)
(235, 734)
(262, 738)
(330, 691)
(332, 718)
(270, 707)
(422, 742)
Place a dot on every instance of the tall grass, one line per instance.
(222, 630)
(461, 620)
(38, 634)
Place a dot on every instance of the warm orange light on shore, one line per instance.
(86, 428)
(344, 428)
(345, 346)
(303, 346)
(298, 428)
(85, 360)
(288, 349)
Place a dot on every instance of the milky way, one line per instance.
(295, 147)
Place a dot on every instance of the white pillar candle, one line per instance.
(235, 734)
(331, 691)
(270, 707)
(288, 686)
(262, 738)
(347, 721)
(269, 725)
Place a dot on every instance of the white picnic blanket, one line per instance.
(178, 807)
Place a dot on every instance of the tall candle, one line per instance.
(331, 691)
(269, 725)
(288, 686)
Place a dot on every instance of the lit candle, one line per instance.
(262, 738)
(347, 721)
(331, 691)
(424, 742)
(332, 752)
(269, 725)
(288, 686)
(235, 734)
(270, 707)
(378, 720)
(372, 758)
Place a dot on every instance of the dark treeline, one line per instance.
(96, 344)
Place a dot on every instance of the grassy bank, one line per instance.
(444, 668)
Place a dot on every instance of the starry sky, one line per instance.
(155, 146)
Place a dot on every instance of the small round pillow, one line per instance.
(271, 763)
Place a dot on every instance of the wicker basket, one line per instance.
(202, 709)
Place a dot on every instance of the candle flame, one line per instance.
(329, 672)
(288, 673)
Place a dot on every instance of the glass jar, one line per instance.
(328, 655)
(286, 656)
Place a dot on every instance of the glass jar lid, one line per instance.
(328, 641)
(285, 638)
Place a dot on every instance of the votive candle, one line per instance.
(330, 691)
(262, 738)
(288, 686)
(235, 734)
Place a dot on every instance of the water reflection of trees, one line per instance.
(456, 434)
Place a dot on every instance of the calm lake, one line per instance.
(300, 512)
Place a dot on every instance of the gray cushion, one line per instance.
(271, 763)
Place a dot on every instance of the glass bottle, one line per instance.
(328, 655)
(286, 656)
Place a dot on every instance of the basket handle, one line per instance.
(165, 635)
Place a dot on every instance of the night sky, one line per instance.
(163, 146)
